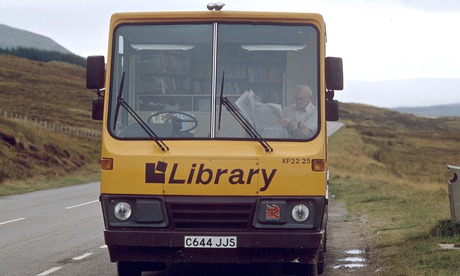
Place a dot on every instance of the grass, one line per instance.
(34, 159)
(391, 168)
(37, 183)
(47, 91)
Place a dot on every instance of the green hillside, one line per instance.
(390, 169)
(51, 93)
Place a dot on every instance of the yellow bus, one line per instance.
(214, 144)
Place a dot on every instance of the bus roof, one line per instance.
(219, 16)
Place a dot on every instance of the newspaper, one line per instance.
(264, 117)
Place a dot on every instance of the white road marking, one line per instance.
(79, 258)
(49, 271)
(83, 204)
(103, 246)
(56, 268)
(10, 221)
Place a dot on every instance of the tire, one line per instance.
(320, 264)
(320, 267)
(128, 269)
(301, 269)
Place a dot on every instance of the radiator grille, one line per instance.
(211, 216)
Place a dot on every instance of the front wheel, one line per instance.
(301, 269)
(320, 268)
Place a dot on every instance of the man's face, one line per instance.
(302, 99)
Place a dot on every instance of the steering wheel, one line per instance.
(176, 121)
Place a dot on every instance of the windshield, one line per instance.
(174, 76)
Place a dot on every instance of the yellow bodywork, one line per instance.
(286, 171)
(244, 168)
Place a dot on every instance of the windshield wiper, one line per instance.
(221, 97)
(117, 108)
(144, 125)
(241, 119)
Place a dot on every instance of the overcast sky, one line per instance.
(378, 40)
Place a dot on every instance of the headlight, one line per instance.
(134, 211)
(122, 211)
(289, 213)
(300, 212)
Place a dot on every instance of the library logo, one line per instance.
(155, 173)
(200, 173)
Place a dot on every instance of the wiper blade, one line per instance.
(143, 125)
(243, 121)
(130, 110)
(117, 108)
(221, 97)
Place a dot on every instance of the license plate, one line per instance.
(209, 242)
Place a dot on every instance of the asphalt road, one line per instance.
(53, 232)
(332, 127)
(60, 232)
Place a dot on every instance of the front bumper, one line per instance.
(255, 247)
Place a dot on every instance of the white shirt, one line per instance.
(303, 118)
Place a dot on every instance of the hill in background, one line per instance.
(432, 111)
(47, 91)
(52, 92)
(13, 38)
(33, 46)
(382, 118)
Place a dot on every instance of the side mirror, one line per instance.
(332, 110)
(98, 109)
(95, 72)
(334, 73)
